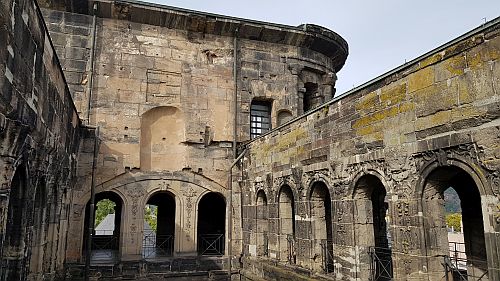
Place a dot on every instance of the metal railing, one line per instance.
(327, 255)
(292, 257)
(155, 246)
(381, 263)
(211, 244)
(104, 247)
(458, 267)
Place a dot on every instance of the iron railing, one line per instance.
(211, 244)
(327, 255)
(381, 263)
(154, 245)
(458, 267)
(104, 247)
(292, 257)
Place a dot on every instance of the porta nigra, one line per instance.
(225, 152)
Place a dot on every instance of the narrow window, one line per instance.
(311, 98)
(260, 118)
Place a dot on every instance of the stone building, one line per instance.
(230, 131)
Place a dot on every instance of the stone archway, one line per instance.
(262, 224)
(321, 220)
(474, 258)
(286, 215)
(371, 228)
(14, 246)
(159, 225)
(211, 227)
(107, 231)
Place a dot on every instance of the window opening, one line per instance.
(260, 118)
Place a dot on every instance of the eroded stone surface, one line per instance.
(366, 169)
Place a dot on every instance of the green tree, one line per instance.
(150, 215)
(454, 220)
(103, 208)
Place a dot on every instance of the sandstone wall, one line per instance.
(72, 37)
(163, 98)
(438, 113)
(39, 139)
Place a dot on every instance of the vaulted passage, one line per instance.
(13, 249)
(470, 257)
(371, 225)
(286, 212)
(321, 217)
(211, 225)
(262, 225)
(107, 227)
(159, 226)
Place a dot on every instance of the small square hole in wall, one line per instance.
(125, 136)
(163, 138)
(126, 128)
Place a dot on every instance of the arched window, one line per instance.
(262, 224)
(321, 217)
(159, 226)
(371, 225)
(211, 224)
(466, 250)
(286, 212)
(107, 227)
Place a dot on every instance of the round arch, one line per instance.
(107, 242)
(472, 170)
(211, 224)
(290, 184)
(368, 172)
(469, 183)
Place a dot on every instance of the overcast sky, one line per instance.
(381, 34)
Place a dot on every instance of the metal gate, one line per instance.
(381, 263)
(104, 247)
(154, 246)
(460, 268)
(211, 244)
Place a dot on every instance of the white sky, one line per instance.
(381, 34)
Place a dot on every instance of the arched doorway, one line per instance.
(159, 226)
(262, 224)
(105, 244)
(211, 224)
(321, 218)
(371, 226)
(286, 213)
(14, 248)
(464, 256)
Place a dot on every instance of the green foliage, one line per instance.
(150, 215)
(103, 208)
(454, 220)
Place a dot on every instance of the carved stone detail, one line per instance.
(135, 192)
(189, 194)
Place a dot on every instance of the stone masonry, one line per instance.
(326, 187)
